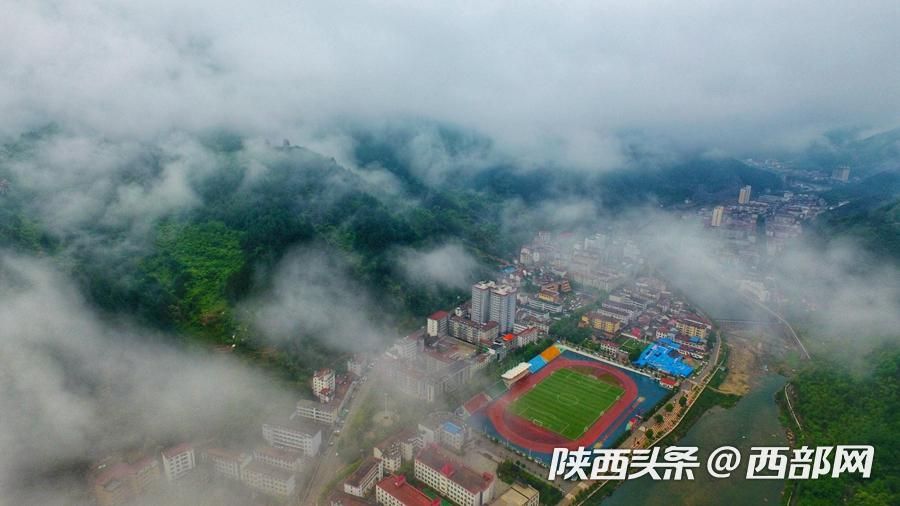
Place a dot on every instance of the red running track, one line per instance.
(526, 434)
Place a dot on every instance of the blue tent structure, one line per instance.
(663, 356)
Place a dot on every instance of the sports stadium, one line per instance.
(564, 398)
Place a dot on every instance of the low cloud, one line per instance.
(837, 293)
(447, 266)
(75, 386)
(313, 294)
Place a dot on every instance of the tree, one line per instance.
(658, 418)
(682, 401)
(669, 407)
(649, 434)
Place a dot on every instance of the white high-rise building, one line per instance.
(481, 296)
(503, 307)
(717, 214)
(178, 461)
(744, 196)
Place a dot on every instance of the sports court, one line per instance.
(567, 402)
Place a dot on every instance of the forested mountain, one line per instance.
(834, 405)
(866, 153)
(871, 214)
(667, 180)
(256, 204)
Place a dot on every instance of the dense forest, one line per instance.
(870, 214)
(190, 269)
(839, 406)
(646, 178)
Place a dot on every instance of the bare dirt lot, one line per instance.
(752, 349)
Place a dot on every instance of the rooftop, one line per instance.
(477, 402)
(517, 495)
(224, 454)
(364, 469)
(474, 482)
(343, 499)
(404, 492)
(439, 315)
(271, 471)
(279, 453)
(175, 450)
(297, 424)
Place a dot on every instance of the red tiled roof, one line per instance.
(474, 482)
(175, 450)
(439, 315)
(118, 471)
(404, 492)
(477, 402)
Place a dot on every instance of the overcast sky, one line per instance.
(563, 79)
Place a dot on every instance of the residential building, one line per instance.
(370, 472)
(599, 321)
(227, 463)
(744, 195)
(412, 381)
(395, 491)
(443, 428)
(493, 302)
(294, 434)
(114, 482)
(518, 495)
(317, 411)
(527, 336)
(717, 214)
(458, 483)
(408, 346)
(841, 174)
(543, 305)
(503, 307)
(113, 486)
(289, 460)
(269, 480)
(338, 498)
(481, 298)
(323, 384)
(472, 331)
(693, 326)
(438, 324)
(356, 365)
(390, 454)
(178, 461)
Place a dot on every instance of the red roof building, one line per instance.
(394, 490)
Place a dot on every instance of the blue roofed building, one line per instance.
(665, 357)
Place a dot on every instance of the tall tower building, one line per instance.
(481, 296)
(503, 307)
(841, 174)
(744, 196)
(717, 215)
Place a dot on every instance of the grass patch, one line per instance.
(567, 402)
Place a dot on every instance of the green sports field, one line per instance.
(567, 402)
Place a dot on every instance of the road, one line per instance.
(329, 463)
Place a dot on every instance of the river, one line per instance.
(753, 421)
